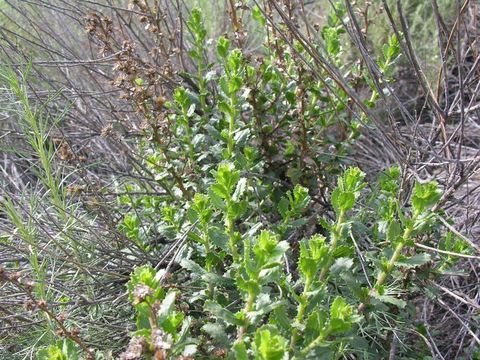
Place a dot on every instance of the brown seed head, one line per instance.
(42, 304)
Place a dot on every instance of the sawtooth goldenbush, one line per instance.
(248, 157)
(271, 243)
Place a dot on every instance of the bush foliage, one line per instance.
(249, 230)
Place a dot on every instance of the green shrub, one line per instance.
(278, 301)
(245, 159)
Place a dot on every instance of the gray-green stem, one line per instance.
(301, 311)
(248, 308)
(336, 234)
(208, 266)
(231, 126)
(316, 342)
(394, 258)
(390, 265)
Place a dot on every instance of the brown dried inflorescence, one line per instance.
(135, 349)
(162, 342)
(140, 293)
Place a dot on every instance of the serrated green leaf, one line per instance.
(237, 209)
(425, 196)
(316, 323)
(339, 309)
(64, 349)
(268, 250)
(283, 207)
(220, 190)
(221, 313)
(390, 300)
(192, 266)
(218, 238)
(313, 256)
(191, 110)
(342, 200)
(414, 261)
(171, 323)
(341, 264)
(240, 189)
(166, 306)
(339, 326)
(50, 353)
(301, 199)
(142, 316)
(353, 179)
(394, 231)
(269, 345)
(258, 15)
(332, 40)
(263, 308)
(216, 200)
(223, 46)
(388, 180)
(224, 107)
(227, 176)
(240, 351)
(217, 332)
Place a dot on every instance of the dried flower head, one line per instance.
(140, 293)
(135, 349)
(161, 341)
